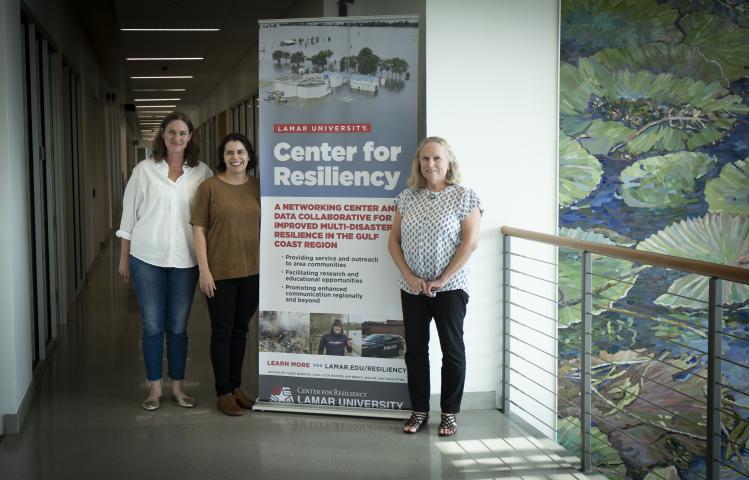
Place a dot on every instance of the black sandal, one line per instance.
(448, 425)
(416, 421)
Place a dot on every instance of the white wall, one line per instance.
(491, 88)
(15, 236)
(59, 23)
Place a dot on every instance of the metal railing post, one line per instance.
(714, 354)
(506, 254)
(586, 348)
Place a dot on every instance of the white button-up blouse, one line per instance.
(156, 213)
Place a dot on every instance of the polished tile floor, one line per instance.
(86, 421)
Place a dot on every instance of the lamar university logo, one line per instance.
(281, 394)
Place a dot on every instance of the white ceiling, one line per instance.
(221, 50)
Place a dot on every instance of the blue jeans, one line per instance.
(165, 297)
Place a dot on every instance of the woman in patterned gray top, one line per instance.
(435, 230)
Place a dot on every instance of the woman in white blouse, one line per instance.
(435, 230)
(158, 253)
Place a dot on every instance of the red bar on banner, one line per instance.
(322, 128)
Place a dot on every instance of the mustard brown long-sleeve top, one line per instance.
(231, 216)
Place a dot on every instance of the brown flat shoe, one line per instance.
(228, 406)
(242, 400)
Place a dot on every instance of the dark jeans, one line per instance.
(165, 298)
(231, 308)
(448, 310)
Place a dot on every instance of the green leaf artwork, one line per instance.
(603, 455)
(657, 92)
(713, 238)
(719, 40)
(680, 60)
(729, 192)
(664, 181)
(663, 473)
(735, 10)
(579, 171)
(601, 136)
(612, 278)
(636, 112)
(589, 25)
(739, 435)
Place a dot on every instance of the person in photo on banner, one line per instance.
(335, 342)
(226, 226)
(435, 230)
(158, 254)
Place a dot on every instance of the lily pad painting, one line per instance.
(713, 238)
(579, 171)
(729, 192)
(654, 156)
(664, 181)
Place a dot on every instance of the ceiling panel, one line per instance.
(173, 13)
(222, 50)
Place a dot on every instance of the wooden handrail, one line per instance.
(708, 269)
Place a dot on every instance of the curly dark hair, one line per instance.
(236, 137)
(159, 147)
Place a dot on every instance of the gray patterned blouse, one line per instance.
(430, 231)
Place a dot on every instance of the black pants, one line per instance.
(448, 310)
(231, 308)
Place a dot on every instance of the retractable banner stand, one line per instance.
(337, 134)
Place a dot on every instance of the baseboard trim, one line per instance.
(13, 422)
(471, 401)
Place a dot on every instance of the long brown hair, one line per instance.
(159, 147)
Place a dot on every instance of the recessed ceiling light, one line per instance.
(159, 89)
(156, 106)
(156, 111)
(161, 77)
(158, 99)
(146, 59)
(170, 29)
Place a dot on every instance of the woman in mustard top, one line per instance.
(226, 228)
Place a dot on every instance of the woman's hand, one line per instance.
(416, 284)
(207, 285)
(124, 267)
(433, 285)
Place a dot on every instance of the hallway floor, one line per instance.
(86, 422)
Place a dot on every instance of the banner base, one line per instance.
(329, 410)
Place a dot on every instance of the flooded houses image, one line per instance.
(316, 85)
(306, 61)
